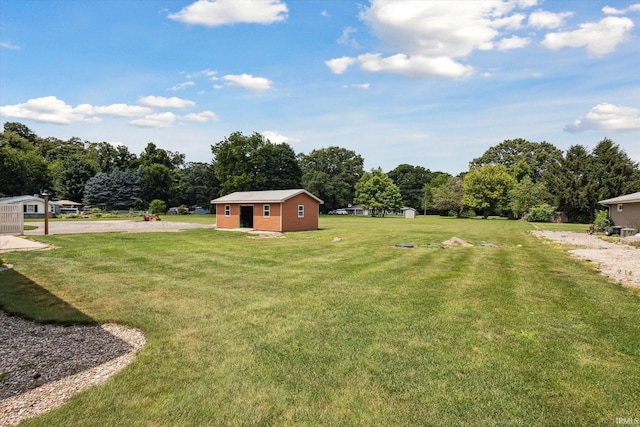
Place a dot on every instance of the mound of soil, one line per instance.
(456, 242)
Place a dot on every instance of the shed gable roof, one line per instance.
(269, 196)
(628, 198)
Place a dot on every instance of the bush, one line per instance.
(602, 221)
(541, 213)
(157, 206)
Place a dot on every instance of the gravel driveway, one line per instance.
(620, 262)
(130, 226)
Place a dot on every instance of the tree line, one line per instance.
(516, 177)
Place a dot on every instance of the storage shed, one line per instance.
(408, 212)
(273, 210)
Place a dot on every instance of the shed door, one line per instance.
(246, 216)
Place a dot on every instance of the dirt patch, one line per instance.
(456, 242)
(620, 262)
(128, 226)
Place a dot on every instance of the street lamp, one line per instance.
(45, 194)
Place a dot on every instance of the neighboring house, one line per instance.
(68, 206)
(274, 210)
(356, 210)
(32, 206)
(624, 210)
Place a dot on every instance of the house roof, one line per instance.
(269, 196)
(24, 199)
(68, 203)
(20, 199)
(628, 198)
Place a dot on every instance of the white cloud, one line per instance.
(157, 120)
(182, 86)
(162, 102)
(346, 39)
(544, 19)
(325, 14)
(615, 11)
(426, 38)
(340, 65)
(608, 10)
(7, 45)
(247, 81)
(213, 13)
(358, 86)
(202, 117)
(608, 117)
(122, 110)
(437, 29)
(416, 66)
(513, 42)
(207, 73)
(598, 37)
(48, 109)
(277, 138)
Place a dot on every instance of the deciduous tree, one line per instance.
(244, 163)
(487, 188)
(410, 180)
(538, 155)
(377, 192)
(448, 196)
(331, 174)
(72, 175)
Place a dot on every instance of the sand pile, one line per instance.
(456, 242)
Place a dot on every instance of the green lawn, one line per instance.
(306, 330)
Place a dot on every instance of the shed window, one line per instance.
(227, 210)
(300, 211)
(266, 211)
(620, 207)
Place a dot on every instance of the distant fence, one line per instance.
(11, 219)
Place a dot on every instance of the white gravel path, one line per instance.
(619, 261)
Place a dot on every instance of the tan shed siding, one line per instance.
(232, 221)
(272, 223)
(629, 217)
(291, 222)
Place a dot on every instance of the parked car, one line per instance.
(173, 211)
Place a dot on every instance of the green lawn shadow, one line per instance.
(21, 296)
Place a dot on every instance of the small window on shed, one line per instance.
(227, 210)
(620, 207)
(266, 211)
(300, 211)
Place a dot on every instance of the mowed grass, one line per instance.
(309, 330)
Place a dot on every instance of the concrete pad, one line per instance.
(15, 243)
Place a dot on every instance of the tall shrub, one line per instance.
(602, 221)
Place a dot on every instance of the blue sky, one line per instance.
(428, 83)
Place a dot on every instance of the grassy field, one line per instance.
(309, 330)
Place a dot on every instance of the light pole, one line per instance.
(45, 194)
